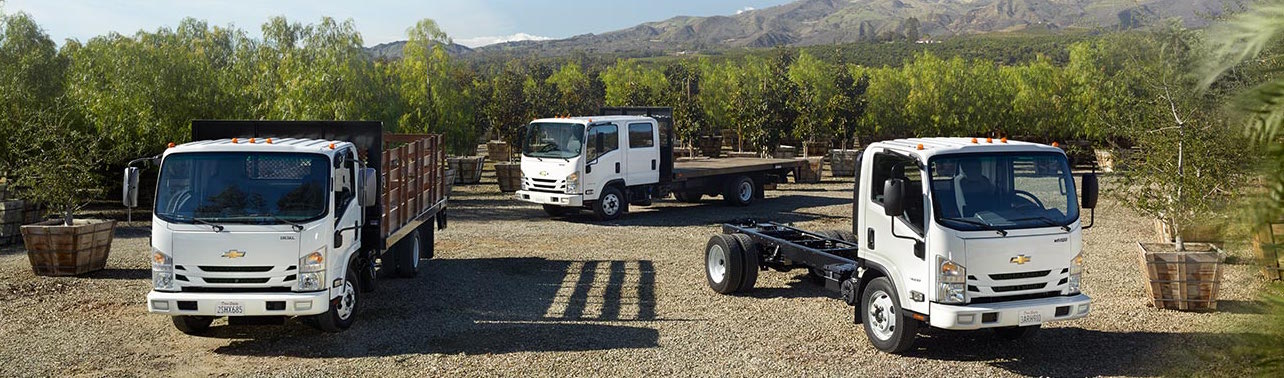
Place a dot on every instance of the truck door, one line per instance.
(603, 158)
(643, 163)
(897, 244)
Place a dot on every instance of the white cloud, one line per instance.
(745, 9)
(483, 41)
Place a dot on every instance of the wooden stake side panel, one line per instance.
(1269, 246)
(411, 179)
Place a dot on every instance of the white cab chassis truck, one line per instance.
(955, 233)
(258, 221)
(606, 163)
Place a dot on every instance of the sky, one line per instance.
(469, 22)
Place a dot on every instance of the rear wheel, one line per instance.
(408, 254)
(610, 205)
(723, 264)
(749, 256)
(555, 211)
(739, 191)
(1017, 333)
(343, 309)
(888, 328)
(193, 325)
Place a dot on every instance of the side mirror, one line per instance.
(368, 192)
(894, 197)
(129, 192)
(1090, 191)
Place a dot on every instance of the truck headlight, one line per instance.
(951, 279)
(573, 182)
(312, 271)
(524, 185)
(162, 271)
(1076, 274)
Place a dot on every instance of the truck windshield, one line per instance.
(237, 187)
(554, 140)
(1003, 191)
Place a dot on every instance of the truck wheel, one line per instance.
(193, 325)
(723, 266)
(749, 254)
(408, 254)
(610, 205)
(886, 326)
(1017, 333)
(687, 197)
(427, 242)
(343, 310)
(739, 191)
(555, 211)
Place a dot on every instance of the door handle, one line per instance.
(869, 238)
(652, 164)
(617, 167)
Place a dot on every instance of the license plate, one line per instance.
(229, 308)
(1030, 317)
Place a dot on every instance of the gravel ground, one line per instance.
(513, 292)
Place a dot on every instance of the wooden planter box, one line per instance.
(810, 173)
(813, 149)
(468, 169)
(509, 176)
(57, 250)
(1268, 244)
(785, 152)
(1111, 160)
(711, 146)
(497, 151)
(1187, 281)
(842, 163)
(448, 179)
(13, 214)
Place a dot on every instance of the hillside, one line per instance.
(392, 50)
(817, 22)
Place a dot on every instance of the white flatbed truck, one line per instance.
(258, 221)
(955, 233)
(625, 157)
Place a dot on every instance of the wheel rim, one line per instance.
(610, 204)
(882, 316)
(414, 253)
(717, 263)
(746, 191)
(347, 301)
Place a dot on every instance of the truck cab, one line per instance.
(602, 163)
(952, 233)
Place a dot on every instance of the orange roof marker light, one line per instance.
(251, 140)
(1004, 139)
(331, 146)
(973, 140)
(1055, 144)
(989, 140)
(269, 140)
(233, 140)
(920, 147)
(170, 145)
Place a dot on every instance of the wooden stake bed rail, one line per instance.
(412, 185)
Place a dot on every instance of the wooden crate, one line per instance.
(1186, 281)
(1268, 244)
(811, 171)
(509, 176)
(12, 217)
(842, 163)
(785, 152)
(57, 250)
(497, 151)
(468, 170)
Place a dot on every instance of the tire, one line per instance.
(427, 241)
(739, 191)
(723, 267)
(555, 211)
(193, 325)
(749, 256)
(610, 205)
(687, 197)
(1017, 333)
(343, 310)
(409, 253)
(886, 326)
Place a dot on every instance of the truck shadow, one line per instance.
(1078, 352)
(483, 306)
(783, 209)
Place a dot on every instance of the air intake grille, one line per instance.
(1004, 289)
(1017, 276)
(236, 280)
(235, 269)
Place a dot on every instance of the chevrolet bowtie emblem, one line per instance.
(234, 254)
(543, 173)
(1020, 260)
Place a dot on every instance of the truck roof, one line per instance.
(941, 146)
(590, 119)
(262, 145)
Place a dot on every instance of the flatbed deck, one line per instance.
(687, 168)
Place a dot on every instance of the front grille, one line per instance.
(1017, 276)
(235, 269)
(284, 289)
(1004, 289)
(544, 185)
(1048, 294)
(236, 280)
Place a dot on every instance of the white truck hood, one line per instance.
(548, 168)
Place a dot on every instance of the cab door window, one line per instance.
(601, 140)
(889, 166)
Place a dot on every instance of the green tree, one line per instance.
(32, 76)
(432, 87)
(817, 88)
(630, 84)
(684, 91)
(574, 90)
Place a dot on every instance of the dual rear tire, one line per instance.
(731, 263)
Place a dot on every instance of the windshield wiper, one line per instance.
(297, 227)
(987, 226)
(217, 227)
(1045, 220)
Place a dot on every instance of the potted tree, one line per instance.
(508, 172)
(57, 170)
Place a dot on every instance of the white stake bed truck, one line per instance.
(258, 221)
(605, 163)
(957, 233)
